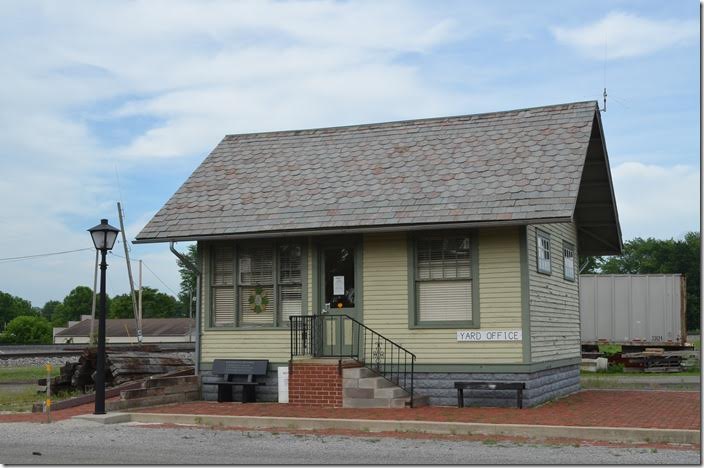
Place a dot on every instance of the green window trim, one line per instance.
(540, 234)
(413, 313)
(565, 247)
(277, 324)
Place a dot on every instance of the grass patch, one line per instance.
(610, 349)
(697, 344)
(23, 399)
(489, 442)
(25, 374)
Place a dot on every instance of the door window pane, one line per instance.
(339, 277)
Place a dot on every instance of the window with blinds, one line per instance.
(257, 302)
(544, 263)
(568, 259)
(290, 284)
(223, 287)
(443, 279)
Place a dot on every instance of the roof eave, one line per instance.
(356, 230)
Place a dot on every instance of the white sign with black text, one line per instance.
(490, 335)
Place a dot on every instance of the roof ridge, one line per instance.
(305, 131)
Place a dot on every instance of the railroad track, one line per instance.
(29, 351)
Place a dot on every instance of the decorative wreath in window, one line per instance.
(258, 300)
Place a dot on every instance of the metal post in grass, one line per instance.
(104, 237)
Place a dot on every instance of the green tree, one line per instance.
(78, 302)
(27, 329)
(642, 256)
(155, 304)
(188, 279)
(49, 308)
(13, 306)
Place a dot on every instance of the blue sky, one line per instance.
(139, 92)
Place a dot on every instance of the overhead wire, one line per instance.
(148, 268)
(49, 254)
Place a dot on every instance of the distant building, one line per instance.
(154, 330)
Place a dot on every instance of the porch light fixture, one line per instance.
(104, 237)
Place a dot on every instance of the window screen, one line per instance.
(544, 264)
(290, 282)
(443, 279)
(257, 302)
(223, 289)
(568, 257)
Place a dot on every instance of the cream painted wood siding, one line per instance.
(385, 293)
(554, 301)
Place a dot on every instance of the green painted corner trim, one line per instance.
(498, 368)
(525, 293)
(413, 322)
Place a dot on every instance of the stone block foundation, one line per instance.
(318, 384)
(541, 386)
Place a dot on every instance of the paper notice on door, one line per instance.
(338, 285)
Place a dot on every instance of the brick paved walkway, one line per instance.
(663, 410)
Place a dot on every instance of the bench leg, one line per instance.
(249, 394)
(519, 398)
(460, 398)
(224, 393)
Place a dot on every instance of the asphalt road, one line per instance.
(83, 442)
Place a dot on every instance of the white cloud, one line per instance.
(199, 70)
(627, 35)
(655, 200)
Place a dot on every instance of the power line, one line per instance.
(29, 257)
(152, 271)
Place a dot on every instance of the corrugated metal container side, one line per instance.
(632, 308)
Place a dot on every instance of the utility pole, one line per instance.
(129, 274)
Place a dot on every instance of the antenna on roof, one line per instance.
(606, 44)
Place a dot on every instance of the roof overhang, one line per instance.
(358, 230)
(595, 214)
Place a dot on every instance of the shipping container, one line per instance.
(633, 309)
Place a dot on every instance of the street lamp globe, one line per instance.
(104, 235)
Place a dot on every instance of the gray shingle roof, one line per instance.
(504, 166)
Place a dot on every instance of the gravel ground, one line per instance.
(83, 442)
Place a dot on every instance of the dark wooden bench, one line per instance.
(239, 372)
(480, 385)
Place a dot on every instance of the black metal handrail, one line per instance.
(341, 336)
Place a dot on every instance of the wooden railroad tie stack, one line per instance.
(655, 360)
(122, 365)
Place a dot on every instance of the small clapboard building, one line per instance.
(443, 248)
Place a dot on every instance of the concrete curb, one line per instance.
(608, 434)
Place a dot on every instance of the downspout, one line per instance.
(195, 270)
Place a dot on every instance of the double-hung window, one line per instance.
(543, 249)
(443, 280)
(568, 261)
(256, 284)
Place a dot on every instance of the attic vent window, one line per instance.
(568, 259)
(544, 264)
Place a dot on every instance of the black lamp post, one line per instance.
(104, 237)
